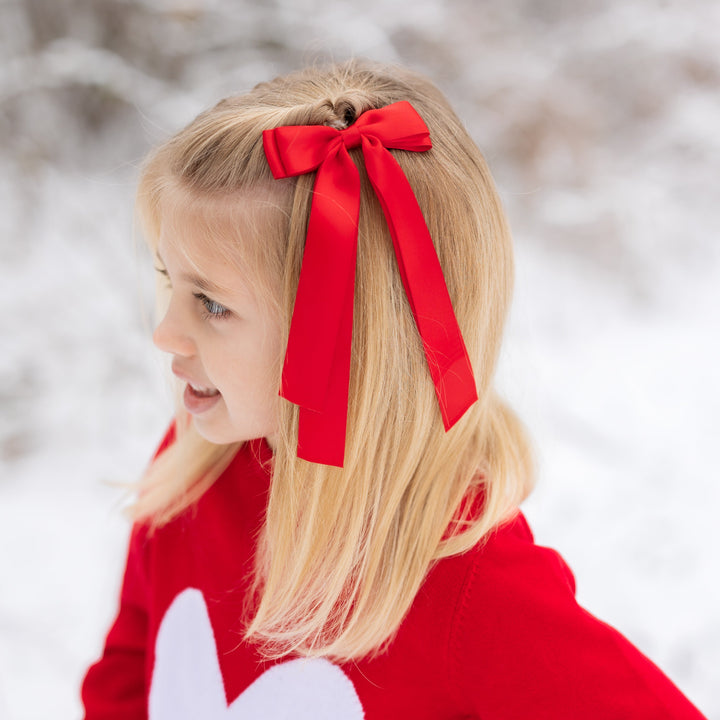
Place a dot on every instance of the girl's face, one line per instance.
(224, 347)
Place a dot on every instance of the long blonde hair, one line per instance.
(344, 552)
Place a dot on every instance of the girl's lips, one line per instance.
(197, 402)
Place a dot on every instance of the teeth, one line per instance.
(202, 390)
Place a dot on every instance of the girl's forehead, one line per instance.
(218, 234)
(215, 220)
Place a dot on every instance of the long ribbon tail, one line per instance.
(316, 372)
(321, 434)
(424, 283)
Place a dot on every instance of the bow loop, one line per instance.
(316, 371)
(298, 149)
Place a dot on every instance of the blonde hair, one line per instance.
(344, 552)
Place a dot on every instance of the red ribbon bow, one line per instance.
(316, 372)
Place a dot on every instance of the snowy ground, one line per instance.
(600, 123)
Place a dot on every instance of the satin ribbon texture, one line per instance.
(316, 371)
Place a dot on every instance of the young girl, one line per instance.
(330, 528)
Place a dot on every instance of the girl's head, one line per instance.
(208, 197)
(343, 550)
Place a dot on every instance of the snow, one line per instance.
(599, 121)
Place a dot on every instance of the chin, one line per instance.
(221, 434)
(215, 435)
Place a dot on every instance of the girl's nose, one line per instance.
(171, 335)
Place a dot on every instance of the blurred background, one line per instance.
(600, 122)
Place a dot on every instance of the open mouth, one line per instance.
(198, 399)
(202, 391)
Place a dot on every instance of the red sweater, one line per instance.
(494, 634)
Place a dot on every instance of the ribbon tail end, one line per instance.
(456, 391)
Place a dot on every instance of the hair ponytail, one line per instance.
(344, 551)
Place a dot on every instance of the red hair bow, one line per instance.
(316, 372)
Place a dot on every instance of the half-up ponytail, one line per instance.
(344, 551)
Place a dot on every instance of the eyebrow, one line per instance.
(203, 283)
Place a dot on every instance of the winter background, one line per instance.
(600, 120)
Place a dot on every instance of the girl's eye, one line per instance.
(213, 309)
(164, 273)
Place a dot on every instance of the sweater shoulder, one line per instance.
(522, 646)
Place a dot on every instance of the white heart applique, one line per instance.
(187, 682)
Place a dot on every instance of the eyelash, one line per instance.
(213, 309)
(165, 274)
